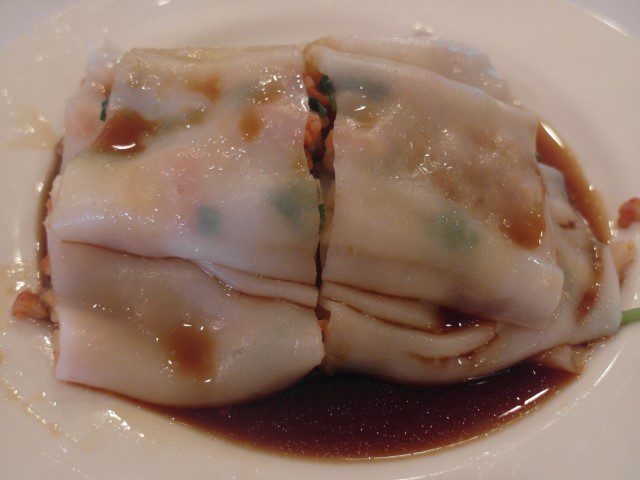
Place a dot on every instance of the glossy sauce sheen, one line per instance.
(124, 133)
(351, 416)
(581, 193)
(191, 349)
(209, 87)
(525, 230)
(585, 200)
(250, 124)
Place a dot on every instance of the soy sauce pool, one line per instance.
(351, 416)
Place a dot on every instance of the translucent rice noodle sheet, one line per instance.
(449, 59)
(411, 342)
(438, 196)
(183, 233)
(201, 157)
(164, 331)
(84, 110)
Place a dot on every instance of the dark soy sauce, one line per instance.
(124, 133)
(585, 199)
(351, 416)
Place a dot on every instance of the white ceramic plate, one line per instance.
(577, 73)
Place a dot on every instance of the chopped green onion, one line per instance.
(316, 106)
(326, 86)
(208, 219)
(455, 232)
(297, 202)
(103, 110)
(630, 316)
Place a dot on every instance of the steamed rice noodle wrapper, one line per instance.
(450, 59)
(411, 217)
(183, 233)
(409, 341)
(164, 331)
(185, 223)
(201, 157)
